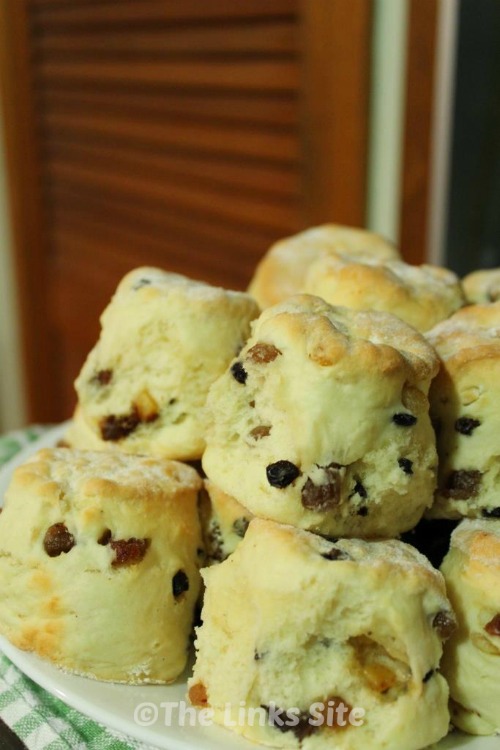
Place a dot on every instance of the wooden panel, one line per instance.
(336, 89)
(418, 121)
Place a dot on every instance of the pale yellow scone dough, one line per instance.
(280, 273)
(464, 408)
(164, 340)
(482, 286)
(322, 421)
(471, 661)
(422, 296)
(224, 522)
(99, 563)
(291, 619)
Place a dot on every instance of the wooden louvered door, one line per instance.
(188, 134)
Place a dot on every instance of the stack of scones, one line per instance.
(264, 455)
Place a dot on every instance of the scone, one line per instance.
(99, 563)
(164, 340)
(281, 272)
(464, 408)
(472, 655)
(322, 421)
(420, 295)
(314, 626)
(224, 522)
(482, 286)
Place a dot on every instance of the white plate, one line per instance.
(138, 711)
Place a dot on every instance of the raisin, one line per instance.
(116, 428)
(282, 473)
(359, 489)
(198, 694)
(491, 513)
(466, 425)
(129, 551)
(323, 497)
(103, 377)
(444, 624)
(406, 465)
(257, 655)
(62, 444)
(105, 538)
(335, 554)
(493, 626)
(403, 419)
(363, 511)
(462, 484)
(263, 353)
(240, 526)
(428, 676)
(58, 540)
(282, 720)
(239, 373)
(260, 432)
(180, 584)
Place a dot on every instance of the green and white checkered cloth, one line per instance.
(41, 721)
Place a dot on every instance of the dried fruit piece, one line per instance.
(240, 526)
(335, 554)
(406, 465)
(180, 584)
(239, 373)
(260, 432)
(146, 406)
(129, 551)
(466, 425)
(323, 497)
(58, 540)
(493, 626)
(282, 473)
(462, 484)
(363, 511)
(103, 377)
(116, 428)
(444, 624)
(262, 353)
(359, 489)
(198, 694)
(404, 419)
(105, 538)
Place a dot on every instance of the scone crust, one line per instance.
(482, 286)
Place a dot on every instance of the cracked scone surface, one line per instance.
(422, 296)
(464, 409)
(281, 272)
(356, 622)
(164, 340)
(322, 421)
(472, 655)
(99, 563)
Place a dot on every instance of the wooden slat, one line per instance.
(126, 12)
(28, 221)
(194, 137)
(336, 87)
(257, 38)
(420, 79)
(244, 177)
(231, 207)
(250, 109)
(149, 220)
(253, 75)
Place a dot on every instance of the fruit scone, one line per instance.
(420, 295)
(164, 339)
(99, 563)
(333, 645)
(471, 661)
(322, 421)
(281, 272)
(464, 409)
(482, 286)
